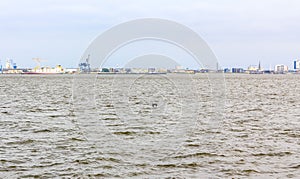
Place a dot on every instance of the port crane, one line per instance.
(85, 66)
(38, 62)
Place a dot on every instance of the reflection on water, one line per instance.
(119, 133)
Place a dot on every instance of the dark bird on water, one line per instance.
(154, 105)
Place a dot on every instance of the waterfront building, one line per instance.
(190, 71)
(227, 70)
(151, 70)
(281, 69)
(162, 70)
(71, 70)
(252, 68)
(237, 70)
(255, 69)
(142, 70)
(178, 69)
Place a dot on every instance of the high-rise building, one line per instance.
(296, 65)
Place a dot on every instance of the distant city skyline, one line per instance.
(241, 33)
(154, 62)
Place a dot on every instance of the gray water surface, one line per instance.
(112, 129)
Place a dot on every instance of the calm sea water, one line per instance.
(149, 126)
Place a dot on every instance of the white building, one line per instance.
(281, 69)
(71, 70)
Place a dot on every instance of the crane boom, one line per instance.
(38, 62)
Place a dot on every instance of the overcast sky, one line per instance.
(239, 32)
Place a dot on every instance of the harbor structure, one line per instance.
(85, 67)
(10, 64)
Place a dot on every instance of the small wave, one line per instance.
(3, 160)
(35, 110)
(254, 109)
(16, 161)
(296, 166)
(167, 165)
(190, 165)
(83, 162)
(44, 166)
(7, 113)
(125, 133)
(109, 159)
(76, 139)
(101, 175)
(31, 176)
(199, 154)
(135, 174)
(280, 154)
(114, 125)
(184, 165)
(110, 119)
(42, 130)
(151, 132)
(107, 167)
(23, 142)
(248, 171)
(192, 145)
(57, 116)
(109, 106)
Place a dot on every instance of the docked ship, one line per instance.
(46, 70)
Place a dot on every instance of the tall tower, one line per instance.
(259, 66)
